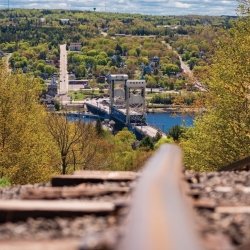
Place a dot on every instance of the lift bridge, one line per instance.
(127, 99)
(126, 105)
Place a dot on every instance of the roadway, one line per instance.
(186, 69)
(102, 104)
(149, 131)
(6, 59)
(64, 78)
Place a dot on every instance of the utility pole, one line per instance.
(8, 4)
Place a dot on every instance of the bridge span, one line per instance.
(102, 107)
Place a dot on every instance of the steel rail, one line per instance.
(243, 164)
(161, 217)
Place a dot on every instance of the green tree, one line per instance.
(80, 71)
(157, 137)
(92, 53)
(138, 52)
(26, 150)
(118, 49)
(164, 140)
(176, 132)
(147, 143)
(126, 138)
(50, 70)
(123, 153)
(170, 69)
(221, 135)
(70, 138)
(151, 82)
(98, 128)
(4, 182)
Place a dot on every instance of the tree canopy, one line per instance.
(221, 135)
(26, 152)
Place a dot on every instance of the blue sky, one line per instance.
(158, 7)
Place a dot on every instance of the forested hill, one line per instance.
(81, 24)
(33, 36)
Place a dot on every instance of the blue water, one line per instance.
(83, 118)
(164, 121)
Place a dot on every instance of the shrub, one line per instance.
(4, 182)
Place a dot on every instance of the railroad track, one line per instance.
(163, 207)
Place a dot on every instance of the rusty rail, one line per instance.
(243, 164)
(161, 217)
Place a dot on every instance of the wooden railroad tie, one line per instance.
(79, 191)
(12, 210)
(80, 177)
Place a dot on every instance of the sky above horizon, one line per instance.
(156, 7)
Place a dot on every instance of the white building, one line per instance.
(64, 21)
(75, 47)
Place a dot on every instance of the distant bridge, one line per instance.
(126, 105)
(101, 107)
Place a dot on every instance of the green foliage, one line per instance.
(221, 135)
(170, 69)
(98, 128)
(176, 132)
(125, 138)
(151, 81)
(4, 182)
(192, 62)
(57, 106)
(76, 141)
(163, 140)
(162, 99)
(157, 137)
(38, 60)
(80, 71)
(26, 152)
(92, 53)
(123, 154)
(197, 48)
(147, 143)
(38, 51)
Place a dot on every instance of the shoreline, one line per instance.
(174, 110)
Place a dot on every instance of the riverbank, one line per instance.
(174, 109)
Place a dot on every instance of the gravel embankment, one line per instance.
(225, 222)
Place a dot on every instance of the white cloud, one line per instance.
(166, 7)
(182, 5)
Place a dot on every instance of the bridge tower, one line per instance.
(127, 99)
(135, 93)
(117, 90)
